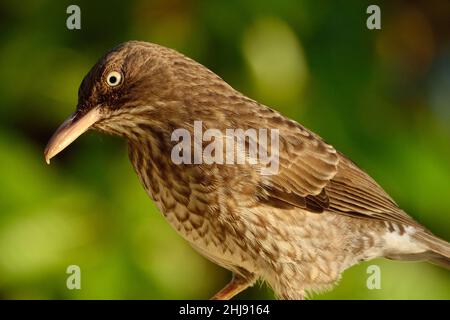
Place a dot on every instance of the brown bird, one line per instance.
(297, 228)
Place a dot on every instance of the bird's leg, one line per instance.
(237, 284)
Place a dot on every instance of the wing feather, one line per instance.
(314, 176)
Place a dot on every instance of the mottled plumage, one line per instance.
(297, 230)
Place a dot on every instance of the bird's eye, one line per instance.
(114, 78)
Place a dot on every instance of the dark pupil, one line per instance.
(113, 79)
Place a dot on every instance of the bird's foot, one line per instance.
(237, 284)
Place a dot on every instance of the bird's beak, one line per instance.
(72, 128)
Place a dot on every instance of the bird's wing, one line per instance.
(354, 192)
(314, 176)
(306, 165)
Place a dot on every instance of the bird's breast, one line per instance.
(192, 201)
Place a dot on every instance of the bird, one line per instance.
(296, 228)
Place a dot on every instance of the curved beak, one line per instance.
(72, 128)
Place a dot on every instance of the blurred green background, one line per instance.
(382, 97)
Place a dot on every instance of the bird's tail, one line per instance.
(432, 249)
(438, 249)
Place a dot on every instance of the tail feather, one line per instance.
(438, 250)
(441, 261)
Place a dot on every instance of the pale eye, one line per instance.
(114, 78)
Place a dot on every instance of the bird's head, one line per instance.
(133, 83)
